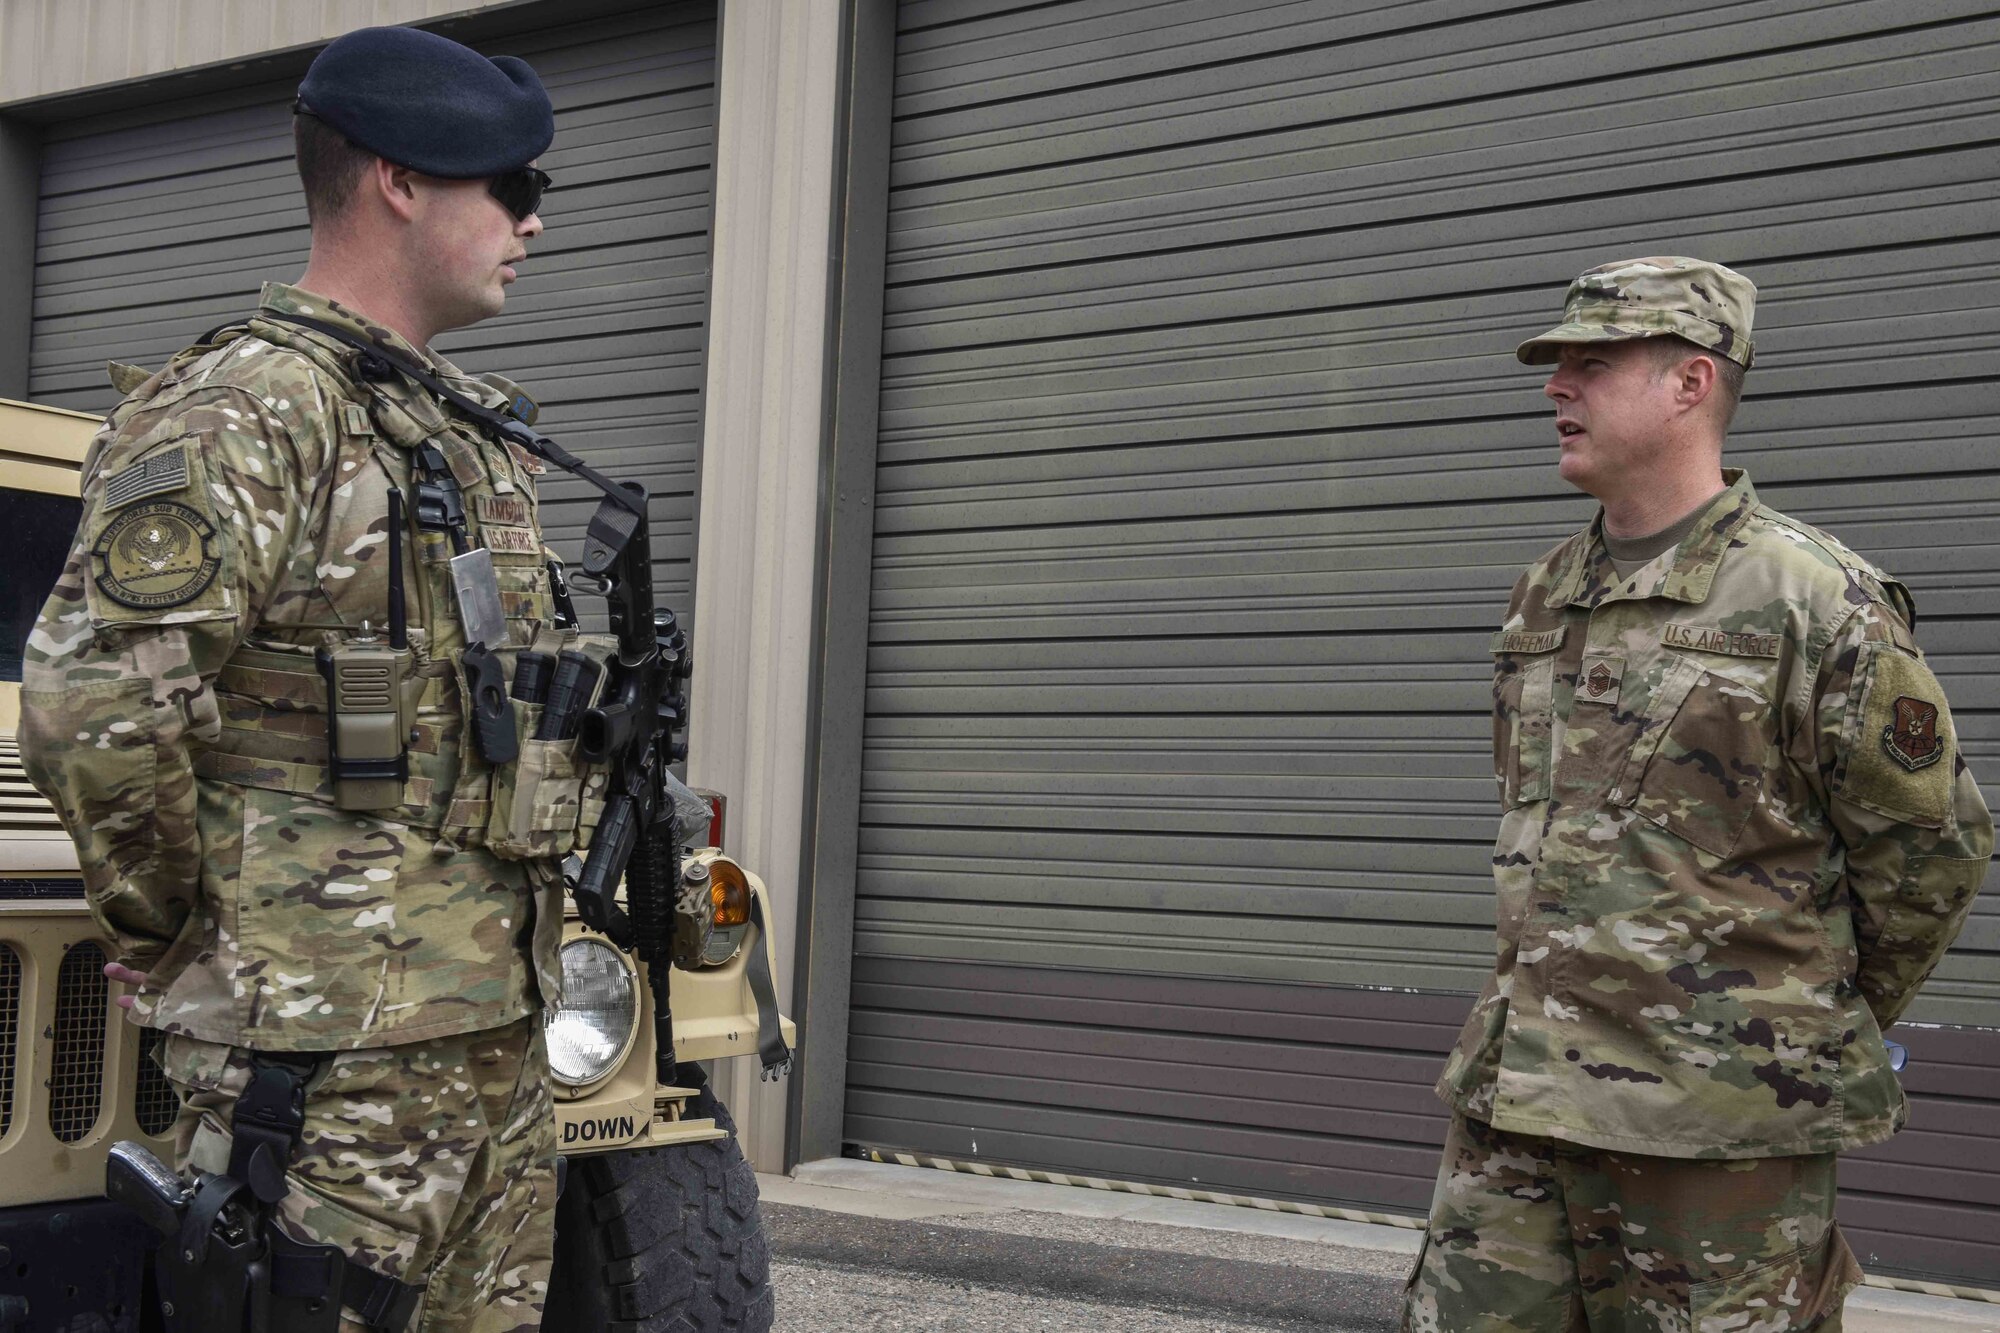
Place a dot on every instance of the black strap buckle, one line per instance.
(440, 502)
(377, 1299)
(268, 1120)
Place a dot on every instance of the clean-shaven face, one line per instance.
(1613, 412)
(471, 246)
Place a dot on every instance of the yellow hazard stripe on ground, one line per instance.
(1304, 1209)
(1155, 1191)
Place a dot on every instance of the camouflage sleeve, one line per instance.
(1916, 832)
(189, 516)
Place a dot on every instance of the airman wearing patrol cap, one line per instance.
(1737, 834)
(370, 933)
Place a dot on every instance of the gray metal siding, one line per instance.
(1299, 1092)
(157, 225)
(1205, 466)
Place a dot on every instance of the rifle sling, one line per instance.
(511, 428)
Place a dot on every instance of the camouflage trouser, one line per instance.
(1528, 1235)
(433, 1162)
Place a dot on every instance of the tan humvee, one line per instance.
(74, 1080)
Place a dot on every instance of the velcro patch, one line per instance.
(354, 419)
(1706, 639)
(507, 511)
(158, 555)
(1899, 758)
(510, 541)
(157, 473)
(1517, 641)
(466, 469)
(1598, 680)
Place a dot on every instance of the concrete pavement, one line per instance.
(861, 1245)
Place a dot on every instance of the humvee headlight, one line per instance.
(592, 1029)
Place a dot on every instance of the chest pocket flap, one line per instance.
(1524, 667)
(1708, 752)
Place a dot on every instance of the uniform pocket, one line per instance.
(537, 799)
(546, 801)
(318, 922)
(1711, 755)
(1795, 1294)
(1523, 726)
(197, 1065)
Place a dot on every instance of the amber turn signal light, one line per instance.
(729, 893)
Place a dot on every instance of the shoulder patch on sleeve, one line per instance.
(1900, 759)
(156, 556)
(160, 471)
(153, 531)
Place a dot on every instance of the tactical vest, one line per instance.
(272, 694)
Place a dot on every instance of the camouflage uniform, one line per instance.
(1531, 1234)
(1737, 836)
(235, 519)
(428, 1157)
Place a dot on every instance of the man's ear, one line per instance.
(394, 185)
(1695, 382)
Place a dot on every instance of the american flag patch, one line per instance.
(166, 470)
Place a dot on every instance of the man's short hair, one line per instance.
(330, 166)
(1669, 350)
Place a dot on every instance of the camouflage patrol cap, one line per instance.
(1707, 304)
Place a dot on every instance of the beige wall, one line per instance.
(777, 105)
(61, 46)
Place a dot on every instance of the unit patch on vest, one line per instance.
(156, 555)
(1707, 640)
(507, 511)
(1598, 680)
(160, 471)
(1912, 739)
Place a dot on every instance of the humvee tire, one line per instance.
(662, 1240)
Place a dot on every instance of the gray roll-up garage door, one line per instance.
(159, 223)
(1205, 467)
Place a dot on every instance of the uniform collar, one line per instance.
(1585, 575)
(284, 299)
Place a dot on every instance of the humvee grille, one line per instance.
(155, 1104)
(40, 888)
(21, 806)
(76, 1078)
(10, 1031)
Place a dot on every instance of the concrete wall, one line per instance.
(48, 47)
(777, 105)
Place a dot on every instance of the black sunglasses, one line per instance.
(520, 191)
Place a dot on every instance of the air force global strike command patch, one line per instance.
(156, 555)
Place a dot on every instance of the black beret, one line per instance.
(423, 101)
